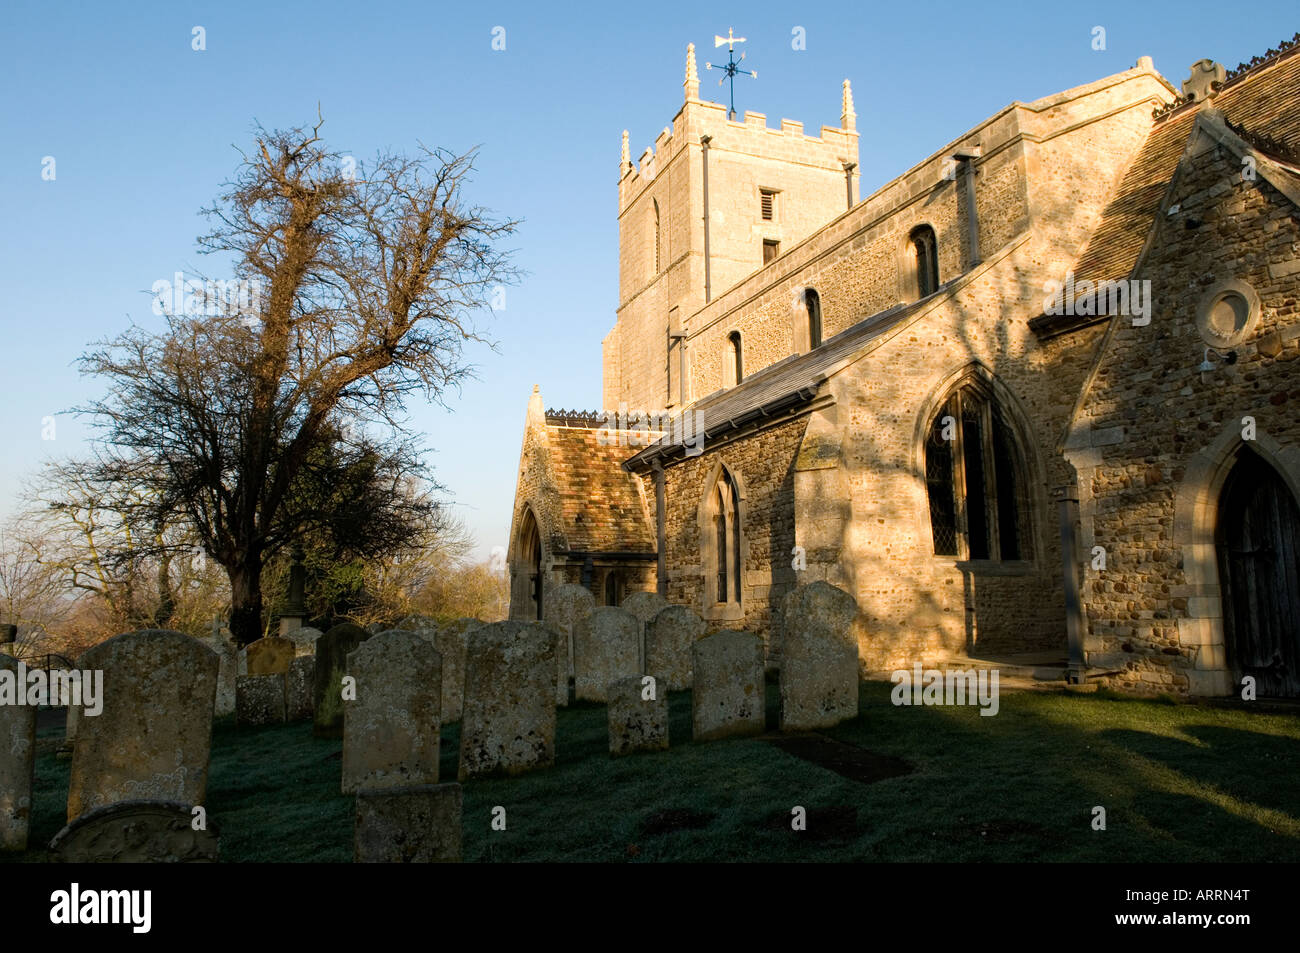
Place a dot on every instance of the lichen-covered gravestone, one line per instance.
(413, 825)
(668, 641)
(451, 640)
(561, 665)
(638, 716)
(332, 651)
(152, 738)
(565, 607)
(137, 832)
(227, 672)
(727, 694)
(508, 725)
(270, 656)
(606, 647)
(17, 760)
(300, 688)
(645, 606)
(390, 731)
(819, 663)
(260, 700)
(304, 640)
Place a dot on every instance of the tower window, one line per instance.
(770, 250)
(767, 204)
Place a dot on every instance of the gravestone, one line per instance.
(637, 723)
(727, 697)
(819, 663)
(412, 825)
(564, 607)
(450, 640)
(300, 688)
(668, 641)
(390, 732)
(645, 606)
(270, 655)
(227, 672)
(606, 648)
(136, 832)
(304, 640)
(152, 738)
(260, 700)
(508, 725)
(560, 642)
(332, 651)
(17, 762)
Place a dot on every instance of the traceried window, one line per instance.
(725, 540)
(975, 482)
(925, 260)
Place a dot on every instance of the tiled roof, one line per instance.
(1265, 101)
(599, 502)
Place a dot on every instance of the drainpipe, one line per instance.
(848, 183)
(661, 532)
(967, 160)
(1068, 507)
(704, 142)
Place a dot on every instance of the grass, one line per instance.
(1179, 782)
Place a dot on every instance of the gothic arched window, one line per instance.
(924, 256)
(813, 302)
(735, 360)
(724, 542)
(975, 481)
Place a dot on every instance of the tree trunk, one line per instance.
(245, 601)
(166, 597)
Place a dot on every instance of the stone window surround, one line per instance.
(909, 288)
(710, 609)
(1028, 467)
(1212, 297)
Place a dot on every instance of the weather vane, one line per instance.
(731, 67)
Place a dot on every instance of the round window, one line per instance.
(1227, 314)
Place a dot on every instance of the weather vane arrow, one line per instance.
(732, 66)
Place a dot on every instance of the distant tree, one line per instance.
(255, 419)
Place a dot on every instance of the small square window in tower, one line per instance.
(770, 250)
(767, 204)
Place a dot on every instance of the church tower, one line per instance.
(712, 201)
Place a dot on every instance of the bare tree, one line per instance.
(242, 419)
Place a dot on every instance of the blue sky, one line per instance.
(143, 128)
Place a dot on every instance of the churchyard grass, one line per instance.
(1179, 782)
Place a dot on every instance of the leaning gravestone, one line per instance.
(605, 648)
(565, 607)
(508, 725)
(270, 655)
(645, 606)
(260, 700)
(17, 760)
(152, 738)
(413, 825)
(637, 722)
(304, 640)
(332, 651)
(819, 662)
(136, 832)
(727, 694)
(300, 688)
(668, 641)
(390, 732)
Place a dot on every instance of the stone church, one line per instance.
(1036, 397)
